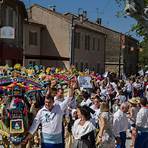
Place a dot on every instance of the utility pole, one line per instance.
(72, 40)
(120, 55)
(122, 46)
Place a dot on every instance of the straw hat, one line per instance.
(134, 100)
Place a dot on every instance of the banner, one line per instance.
(85, 81)
(141, 72)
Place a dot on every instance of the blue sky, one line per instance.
(105, 9)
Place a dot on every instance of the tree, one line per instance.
(138, 9)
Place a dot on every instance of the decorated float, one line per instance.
(16, 94)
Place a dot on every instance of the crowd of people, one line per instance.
(96, 117)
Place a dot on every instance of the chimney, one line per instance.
(53, 8)
(99, 21)
(85, 14)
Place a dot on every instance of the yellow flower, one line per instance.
(48, 70)
(17, 66)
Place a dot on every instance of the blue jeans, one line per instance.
(128, 95)
(48, 145)
(141, 140)
(123, 140)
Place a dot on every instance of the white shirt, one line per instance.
(137, 85)
(120, 123)
(58, 100)
(142, 118)
(129, 87)
(97, 113)
(79, 130)
(114, 86)
(103, 91)
(86, 102)
(51, 120)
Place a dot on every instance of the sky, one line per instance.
(105, 9)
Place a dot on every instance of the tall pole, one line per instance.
(72, 42)
(120, 55)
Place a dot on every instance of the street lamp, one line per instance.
(122, 46)
(72, 40)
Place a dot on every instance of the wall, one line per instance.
(56, 41)
(92, 56)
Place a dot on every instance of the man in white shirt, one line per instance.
(120, 125)
(142, 125)
(50, 117)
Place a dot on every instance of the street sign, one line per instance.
(85, 81)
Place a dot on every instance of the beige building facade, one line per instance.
(65, 39)
(55, 38)
(54, 41)
(32, 42)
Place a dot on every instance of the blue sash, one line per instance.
(52, 138)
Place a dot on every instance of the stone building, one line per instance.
(12, 15)
(64, 39)
(130, 56)
(32, 42)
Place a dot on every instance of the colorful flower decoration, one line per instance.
(17, 67)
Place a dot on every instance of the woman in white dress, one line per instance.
(105, 137)
(83, 130)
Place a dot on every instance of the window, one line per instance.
(32, 63)
(98, 47)
(93, 48)
(32, 38)
(77, 40)
(87, 42)
(10, 17)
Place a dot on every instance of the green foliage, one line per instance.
(146, 2)
(143, 55)
(139, 30)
